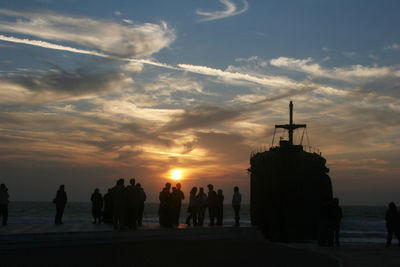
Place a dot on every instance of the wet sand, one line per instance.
(155, 247)
(70, 245)
(363, 255)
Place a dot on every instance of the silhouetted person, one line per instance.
(336, 218)
(392, 223)
(181, 197)
(119, 210)
(108, 207)
(4, 200)
(236, 200)
(325, 232)
(202, 202)
(193, 207)
(164, 210)
(175, 202)
(97, 205)
(212, 203)
(220, 207)
(60, 200)
(142, 199)
(132, 204)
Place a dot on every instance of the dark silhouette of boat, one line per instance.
(288, 188)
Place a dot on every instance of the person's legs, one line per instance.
(389, 237)
(337, 235)
(4, 214)
(237, 215)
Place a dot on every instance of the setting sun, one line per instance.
(176, 174)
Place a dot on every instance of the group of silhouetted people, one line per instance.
(330, 218)
(199, 202)
(169, 209)
(123, 205)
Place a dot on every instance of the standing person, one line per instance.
(220, 207)
(174, 206)
(202, 202)
(392, 224)
(4, 200)
(108, 207)
(164, 210)
(212, 204)
(236, 200)
(132, 204)
(336, 219)
(193, 208)
(118, 201)
(142, 199)
(97, 205)
(60, 200)
(181, 197)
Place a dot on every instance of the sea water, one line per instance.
(364, 224)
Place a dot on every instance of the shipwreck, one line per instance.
(288, 187)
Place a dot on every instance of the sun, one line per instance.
(176, 174)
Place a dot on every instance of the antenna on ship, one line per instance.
(291, 126)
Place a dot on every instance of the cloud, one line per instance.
(231, 10)
(351, 74)
(394, 47)
(134, 40)
(50, 45)
(265, 80)
(35, 87)
(200, 117)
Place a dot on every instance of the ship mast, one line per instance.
(291, 126)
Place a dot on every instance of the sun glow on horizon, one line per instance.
(176, 174)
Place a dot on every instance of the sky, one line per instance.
(93, 91)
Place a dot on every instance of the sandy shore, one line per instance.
(226, 246)
(154, 247)
(363, 255)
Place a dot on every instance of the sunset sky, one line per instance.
(92, 91)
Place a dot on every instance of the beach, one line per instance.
(83, 245)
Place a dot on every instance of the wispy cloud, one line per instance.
(350, 73)
(109, 37)
(394, 46)
(231, 10)
(50, 45)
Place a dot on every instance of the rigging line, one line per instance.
(301, 140)
(308, 140)
(273, 138)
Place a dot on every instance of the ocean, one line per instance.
(360, 224)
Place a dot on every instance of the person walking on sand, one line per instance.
(180, 197)
(118, 200)
(164, 210)
(236, 200)
(220, 207)
(212, 204)
(392, 224)
(336, 219)
(193, 207)
(97, 205)
(202, 202)
(60, 200)
(142, 199)
(132, 204)
(108, 207)
(4, 200)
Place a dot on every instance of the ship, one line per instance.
(288, 188)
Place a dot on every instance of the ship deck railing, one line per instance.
(309, 149)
